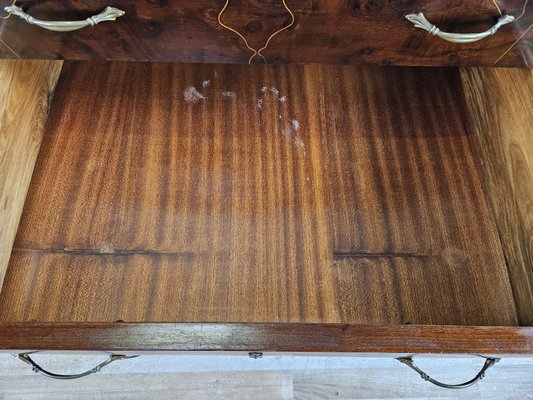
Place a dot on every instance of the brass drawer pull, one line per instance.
(420, 21)
(38, 369)
(489, 362)
(109, 14)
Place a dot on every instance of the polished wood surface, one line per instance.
(403, 289)
(257, 194)
(501, 108)
(287, 337)
(25, 91)
(326, 31)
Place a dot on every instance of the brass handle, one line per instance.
(40, 370)
(489, 362)
(109, 14)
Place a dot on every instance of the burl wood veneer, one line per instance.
(325, 31)
(195, 193)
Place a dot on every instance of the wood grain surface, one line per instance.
(326, 31)
(200, 193)
(286, 337)
(501, 108)
(25, 92)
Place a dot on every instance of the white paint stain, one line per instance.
(275, 92)
(290, 132)
(287, 128)
(206, 83)
(191, 95)
(300, 143)
(229, 95)
(106, 249)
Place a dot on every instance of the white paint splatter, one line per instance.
(106, 248)
(191, 95)
(283, 99)
(229, 95)
(275, 91)
(216, 74)
(300, 143)
(206, 83)
(264, 89)
(289, 131)
(286, 132)
(260, 104)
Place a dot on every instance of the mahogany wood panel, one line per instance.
(200, 193)
(214, 210)
(320, 338)
(25, 93)
(402, 176)
(409, 288)
(326, 31)
(501, 106)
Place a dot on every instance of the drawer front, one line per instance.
(277, 338)
(325, 31)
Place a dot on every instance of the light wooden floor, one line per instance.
(273, 377)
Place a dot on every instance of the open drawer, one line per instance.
(262, 208)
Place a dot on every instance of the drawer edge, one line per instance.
(284, 337)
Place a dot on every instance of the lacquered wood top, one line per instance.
(195, 193)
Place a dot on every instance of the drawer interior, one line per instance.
(232, 193)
